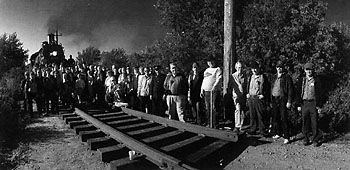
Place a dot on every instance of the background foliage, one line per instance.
(90, 55)
(12, 57)
(12, 53)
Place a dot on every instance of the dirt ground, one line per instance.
(51, 145)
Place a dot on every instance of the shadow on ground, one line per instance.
(222, 157)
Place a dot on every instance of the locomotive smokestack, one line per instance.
(51, 38)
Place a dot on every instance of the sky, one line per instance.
(104, 24)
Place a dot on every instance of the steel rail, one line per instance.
(215, 133)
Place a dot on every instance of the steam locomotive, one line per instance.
(50, 52)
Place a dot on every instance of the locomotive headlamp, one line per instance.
(54, 53)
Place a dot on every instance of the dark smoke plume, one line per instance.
(130, 24)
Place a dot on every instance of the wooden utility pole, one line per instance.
(229, 41)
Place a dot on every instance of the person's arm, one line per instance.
(266, 89)
(186, 86)
(248, 86)
(139, 85)
(218, 77)
(189, 89)
(150, 87)
(202, 90)
(231, 86)
(318, 93)
(290, 89)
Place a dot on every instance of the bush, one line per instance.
(337, 108)
(10, 94)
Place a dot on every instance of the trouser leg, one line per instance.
(260, 113)
(142, 104)
(207, 106)
(305, 120)
(180, 106)
(239, 115)
(252, 114)
(198, 113)
(313, 119)
(275, 118)
(215, 105)
(156, 106)
(284, 120)
(172, 108)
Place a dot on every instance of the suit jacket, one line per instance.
(195, 86)
(157, 89)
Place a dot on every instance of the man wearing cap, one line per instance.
(210, 91)
(195, 81)
(258, 96)
(281, 99)
(310, 101)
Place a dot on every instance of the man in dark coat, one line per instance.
(257, 96)
(157, 92)
(195, 80)
(281, 99)
(310, 99)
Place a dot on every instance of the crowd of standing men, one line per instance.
(258, 93)
(196, 97)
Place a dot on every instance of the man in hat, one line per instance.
(258, 96)
(210, 91)
(157, 91)
(195, 82)
(281, 99)
(310, 100)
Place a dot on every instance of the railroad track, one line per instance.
(167, 144)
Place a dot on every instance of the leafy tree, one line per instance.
(12, 53)
(90, 55)
(337, 109)
(114, 57)
(293, 32)
(195, 30)
(134, 59)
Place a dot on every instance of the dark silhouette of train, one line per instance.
(50, 52)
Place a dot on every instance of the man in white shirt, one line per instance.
(210, 90)
(143, 90)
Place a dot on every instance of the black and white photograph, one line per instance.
(174, 84)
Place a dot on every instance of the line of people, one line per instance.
(196, 97)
